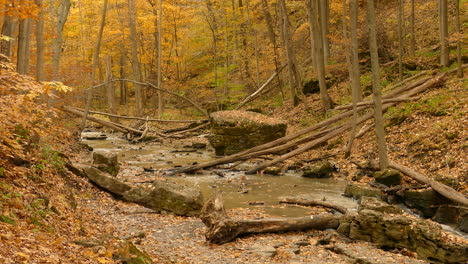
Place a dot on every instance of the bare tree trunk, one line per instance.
(313, 11)
(122, 84)
(324, 7)
(272, 37)
(400, 39)
(295, 81)
(355, 73)
(7, 31)
(110, 88)
(89, 92)
(135, 61)
(459, 42)
(22, 60)
(444, 47)
(413, 36)
(62, 16)
(40, 43)
(379, 122)
(254, 32)
(160, 94)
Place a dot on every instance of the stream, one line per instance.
(261, 192)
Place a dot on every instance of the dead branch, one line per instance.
(222, 229)
(305, 202)
(385, 101)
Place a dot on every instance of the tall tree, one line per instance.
(7, 32)
(377, 92)
(443, 30)
(135, 62)
(313, 10)
(62, 16)
(160, 94)
(400, 39)
(459, 42)
(22, 59)
(40, 42)
(97, 50)
(110, 92)
(324, 7)
(293, 71)
(412, 33)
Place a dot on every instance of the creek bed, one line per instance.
(261, 192)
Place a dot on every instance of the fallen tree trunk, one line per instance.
(371, 103)
(111, 125)
(441, 188)
(305, 202)
(142, 118)
(222, 229)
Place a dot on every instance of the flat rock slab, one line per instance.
(93, 135)
(234, 131)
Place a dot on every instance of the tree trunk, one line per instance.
(89, 91)
(222, 229)
(40, 43)
(377, 92)
(459, 42)
(272, 37)
(413, 36)
(122, 84)
(62, 16)
(160, 94)
(7, 31)
(22, 60)
(295, 81)
(313, 9)
(110, 88)
(443, 28)
(135, 61)
(324, 9)
(400, 39)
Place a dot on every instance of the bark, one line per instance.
(222, 229)
(384, 101)
(160, 94)
(7, 31)
(62, 16)
(40, 43)
(272, 37)
(400, 39)
(412, 36)
(89, 92)
(110, 88)
(377, 93)
(313, 9)
(459, 41)
(305, 202)
(295, 81)
(135, 61)
(443, 30)
(442, 189)
(324, 9)
(22, 60)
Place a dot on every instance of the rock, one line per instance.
(179, 199)
(106, 181)
(321, 170)
(426, 201)
(302, 243)
(234, 131)
(93, 135)
(375, 204)
(272, 170)
(364, 253)
(357, 191)
(463, 223)
(388, 177)
(106, 161)
(266, 251)
(424, 237)
(198, 145)
(128, 253)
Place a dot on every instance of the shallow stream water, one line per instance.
(239, 190)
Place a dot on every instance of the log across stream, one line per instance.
(239, 190)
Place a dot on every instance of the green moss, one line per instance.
(6, 219)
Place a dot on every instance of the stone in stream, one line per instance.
(234, 131)
(357, 191)
(320, 170)
(160, 196)
(93, 135)
(398, 230)
(388, 177)
(106, 161)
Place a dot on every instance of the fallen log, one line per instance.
(384, 101)
(305, 202)
(441, 188)
(111, 125)
(222, 229)
(141, 118)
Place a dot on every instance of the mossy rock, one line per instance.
(388, 177)
(357, 191)
(128, 253)
(106, 161)
(321, 170)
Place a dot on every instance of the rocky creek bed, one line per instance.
(174, 239)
